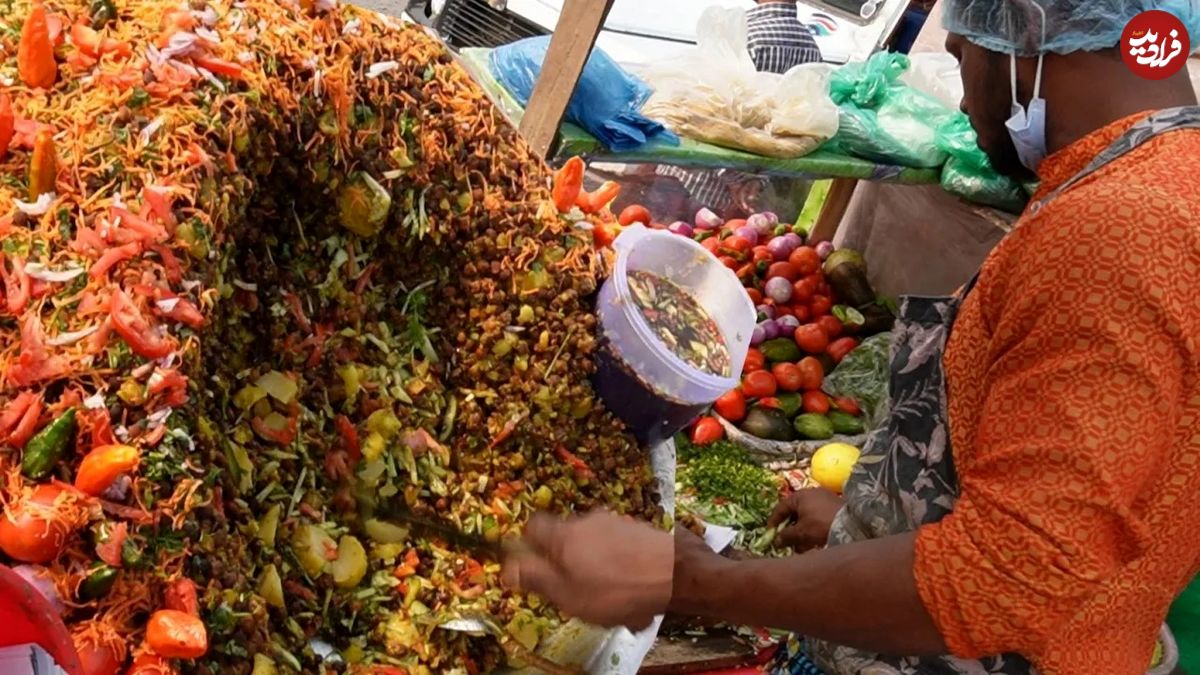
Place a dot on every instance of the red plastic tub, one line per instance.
(27, 617)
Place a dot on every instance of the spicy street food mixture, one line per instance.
(268, 265)
(680, 322)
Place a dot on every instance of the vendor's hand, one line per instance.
(810, 514)
(601, 568)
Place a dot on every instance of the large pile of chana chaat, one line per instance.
(271, 269)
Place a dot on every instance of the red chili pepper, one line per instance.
(570, 459)
(568, 182)
(7, 124)
(349, 435)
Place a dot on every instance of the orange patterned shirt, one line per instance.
(1073, 377)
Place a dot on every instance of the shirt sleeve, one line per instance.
(1083, 390)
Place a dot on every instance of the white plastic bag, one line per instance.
(802, 106)
(713, 93)
(935, 74)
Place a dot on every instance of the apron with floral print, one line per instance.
(905, 477)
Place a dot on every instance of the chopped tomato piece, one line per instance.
(111, 257)
(16, 284)
(219, 66)
(35, 363)
(111, 544)
(141, 227)
(142, 336)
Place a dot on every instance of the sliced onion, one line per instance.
(39, 271)
(748, 233)
(681, 228)
(95, 401)
(787, 324)
(770, 328)
(38, 207)
(824, 249)
(166, 305)
(63, 339)
(707, 220)
(780, 248)
(778, 289)
(39, 577)
(119, 489)
(380, 68)
(760, 224)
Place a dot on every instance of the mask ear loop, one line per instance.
(1012, 66)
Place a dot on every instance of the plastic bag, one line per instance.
(884, 120)
(714, 94)
(968, 173)
(606, 99)
(863, 376)
(935, 74)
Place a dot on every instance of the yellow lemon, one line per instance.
(831, 465)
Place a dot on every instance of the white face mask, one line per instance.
(1027, 127)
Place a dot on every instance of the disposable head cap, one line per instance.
(1015, 26)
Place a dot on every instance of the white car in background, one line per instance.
(642, 32)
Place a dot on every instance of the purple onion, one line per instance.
(778, 289)
(770, 328)
(772, 219)
(766, 310)
(787, 324)
(748, 233)
(761, 225)
(707, 220)
(794, 240)
(758, 336)
(681, 228)
(824, 249)
(39, 577)
(780, 248)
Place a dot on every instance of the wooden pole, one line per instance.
(572, 42)
(836, 202)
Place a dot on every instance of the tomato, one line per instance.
(143, 338)
(711, 244)
(838, 349)
(218, 66)
(782, 269)
(811, 338)
(755, 296)
(806, 260)
(731, 405)
(20, 418)
(769, 402)
(103, 466)
(803, 290)
(707, 430)
(35, 528)
(635, 213)
(745, 273)
(815, 402)
(151, 664)
(820, 306)
(736, 244)
(759, 384)
(754, 361)
(784, 310)
(176, 635)
(831, 325)
(847, 405)
(603, 236)
(101, 650)
(812, 374)
(112, 542)
(760, 254)
(729, 262)
(788, 376)
(801, 313)
(734, 224)
(181, 596)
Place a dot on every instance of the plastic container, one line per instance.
(27, 617)
(655, 392)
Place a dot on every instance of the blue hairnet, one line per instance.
(1015, 26)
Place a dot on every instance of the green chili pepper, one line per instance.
(45, 449)
(98, 583)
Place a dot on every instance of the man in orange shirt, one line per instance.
(1031, 504)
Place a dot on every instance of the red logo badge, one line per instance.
(1155, 45)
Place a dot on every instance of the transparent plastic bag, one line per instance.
(935, 74)
(714, 94)
(606, 99)
(968, 173)
(884, 120)
(802, 103)
(863, 376)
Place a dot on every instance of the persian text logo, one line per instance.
(1155, 45)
